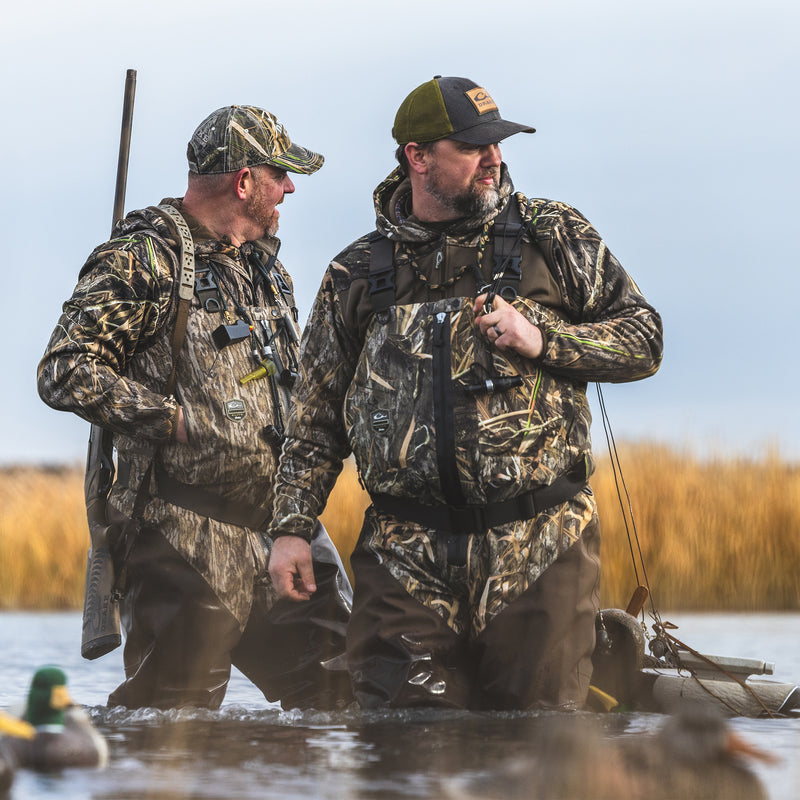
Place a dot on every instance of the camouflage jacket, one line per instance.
(368, 385)
(109, 360)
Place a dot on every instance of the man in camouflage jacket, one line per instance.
(197, 596)
(458, 379)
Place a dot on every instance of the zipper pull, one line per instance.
(438, 330)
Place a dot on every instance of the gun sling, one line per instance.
(478, 519)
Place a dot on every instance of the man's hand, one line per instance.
(505, 327)
(290, 568)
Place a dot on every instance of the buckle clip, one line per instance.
(468, 519)
(527, 505)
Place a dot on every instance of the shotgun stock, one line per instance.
(100, 633)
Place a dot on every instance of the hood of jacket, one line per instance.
(392, 195)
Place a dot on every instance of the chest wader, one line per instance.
(456, 518)
(403, 649)
(185, 622)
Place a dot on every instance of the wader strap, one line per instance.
(478, 519)
(508, 230)
(382, 291)
(208, 504)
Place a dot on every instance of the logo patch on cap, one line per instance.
(481, 99)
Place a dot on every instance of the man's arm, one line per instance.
(316, 442)
(118, 304)
(612, 333)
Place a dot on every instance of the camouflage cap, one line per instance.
(235, 137)
(452, 108)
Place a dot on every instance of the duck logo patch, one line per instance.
(481, 99)
(380, 421)
(235, 410)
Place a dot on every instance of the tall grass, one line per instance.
(714, 534)
(43, 538)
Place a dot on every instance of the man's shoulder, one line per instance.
(353, 262)
(545, 210)
(142, 242)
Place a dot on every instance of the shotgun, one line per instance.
(100, 633)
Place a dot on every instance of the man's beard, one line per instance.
(268, 220)
(475, 201)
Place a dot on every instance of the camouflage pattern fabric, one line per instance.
(109, 360)
(525, 436)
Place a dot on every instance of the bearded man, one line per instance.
(449, 350)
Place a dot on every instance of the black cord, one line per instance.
(619, 479)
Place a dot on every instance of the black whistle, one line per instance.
(491, 385)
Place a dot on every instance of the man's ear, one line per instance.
(417, 157)
(243, 183)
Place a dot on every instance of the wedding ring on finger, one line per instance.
(497, 331)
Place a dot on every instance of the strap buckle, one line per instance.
(468, 519)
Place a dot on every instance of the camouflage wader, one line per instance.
(431, 631)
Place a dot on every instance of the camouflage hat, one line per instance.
(452, 108)
(235, 137)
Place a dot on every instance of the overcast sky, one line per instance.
(672, 126)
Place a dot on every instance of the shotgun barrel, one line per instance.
(100, 633)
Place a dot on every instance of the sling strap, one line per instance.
(478, 519)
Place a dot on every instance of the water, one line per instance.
(252, 749)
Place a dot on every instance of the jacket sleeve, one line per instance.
(121, 300)
(316, 441)
(612, 333)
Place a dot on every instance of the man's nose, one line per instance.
(288, 186)
(491, 156)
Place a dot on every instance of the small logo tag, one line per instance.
(235, 410)
(481, 100)
(380, 421)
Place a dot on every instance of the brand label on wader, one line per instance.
(481, 100)
(235, 410)
(380, 421)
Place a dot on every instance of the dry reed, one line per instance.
(715, 534)
(43, 538)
